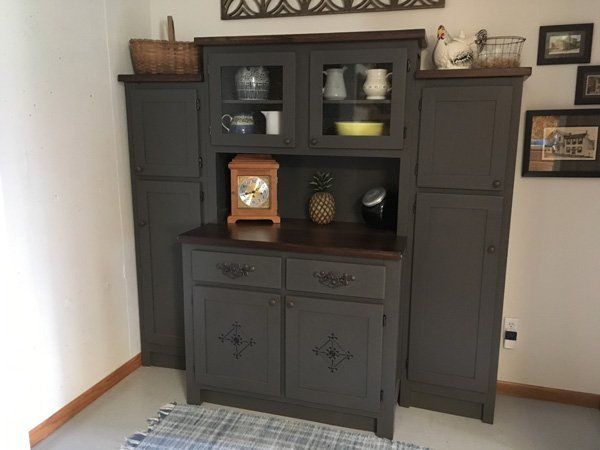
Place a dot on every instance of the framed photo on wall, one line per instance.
(565, 44)
(588, 85)
(562, 143)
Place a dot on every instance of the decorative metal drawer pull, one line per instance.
(234, 270)
(334, 280)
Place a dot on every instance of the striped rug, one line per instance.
(194, 427)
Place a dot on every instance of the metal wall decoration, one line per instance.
(260, 9)
(237, 339)
(332, 352)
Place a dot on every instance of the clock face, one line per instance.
(253, 192)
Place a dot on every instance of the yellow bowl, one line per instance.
(359, 128)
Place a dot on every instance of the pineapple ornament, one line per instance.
(321, 206)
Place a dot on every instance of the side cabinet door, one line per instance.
(237, 339)
(454, 289)
(164, 210)
(165, 136)
(333, 352)
(464, 137)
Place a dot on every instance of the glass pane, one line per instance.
(357, 99)
(252, 99)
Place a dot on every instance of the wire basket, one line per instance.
(500, 52)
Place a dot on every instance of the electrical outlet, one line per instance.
(510, 332)
(511, 324)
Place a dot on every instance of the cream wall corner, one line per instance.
(67, 196)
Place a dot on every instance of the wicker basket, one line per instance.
(168, 57)
(500, 52)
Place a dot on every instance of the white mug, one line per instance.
(273, 121)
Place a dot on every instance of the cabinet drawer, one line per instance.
(238, 269)
(330, 277)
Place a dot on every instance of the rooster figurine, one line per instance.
(456, 53)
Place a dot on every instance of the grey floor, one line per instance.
(519, 423)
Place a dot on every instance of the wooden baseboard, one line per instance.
(550, 394)
(67, 412)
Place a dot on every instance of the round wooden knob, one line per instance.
(139, 169)
(313, 141)
(497, 183)
(273, 302)
(491, 249)
(287, 141)
(291, 304)
(142, 223)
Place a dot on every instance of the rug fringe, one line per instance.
(133, 441)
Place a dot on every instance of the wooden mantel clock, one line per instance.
(253, 188)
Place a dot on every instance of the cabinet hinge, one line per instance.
(381, 395)
(405, 132)
(200, 161)
(406, 363)
(201, 196)
(384, 320)
(415, 206)
(420, 103)
(197, 104)
(416, 168)
(408, 65)
(210, 130)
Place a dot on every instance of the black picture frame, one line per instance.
(542, 160)
(568, 56)
(587, 91)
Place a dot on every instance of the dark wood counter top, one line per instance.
(337, 238)
(160, 78)
(473, 73)
(319, 38)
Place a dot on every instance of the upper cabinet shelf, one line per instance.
(473, 73)
(327, 98)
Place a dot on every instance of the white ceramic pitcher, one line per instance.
(335, 88)
(376, 85)
(273, 121)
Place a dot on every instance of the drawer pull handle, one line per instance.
(235, 270)
(273, 302)
(291, 304)
(491, 249)
(334, 280)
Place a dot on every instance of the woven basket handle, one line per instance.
(171, 28)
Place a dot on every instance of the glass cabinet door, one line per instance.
(357, 98)
(252, 99)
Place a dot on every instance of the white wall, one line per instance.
(67, 197)
(553, 285)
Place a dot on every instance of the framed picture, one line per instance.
(565, 44)
(562, 143)
(588, 85)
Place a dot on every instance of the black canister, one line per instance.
(379, 209)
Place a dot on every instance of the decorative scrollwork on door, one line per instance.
(332, 352)
(334, 280)
(239, 341)
(257, 9)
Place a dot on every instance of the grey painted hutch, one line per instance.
(334, 323)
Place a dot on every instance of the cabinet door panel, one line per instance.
(337, 95)
(244, 115)
(165, 132)
(237, 338)
(164, 210)
(464, 137)
(333, 352)
(454, 289)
